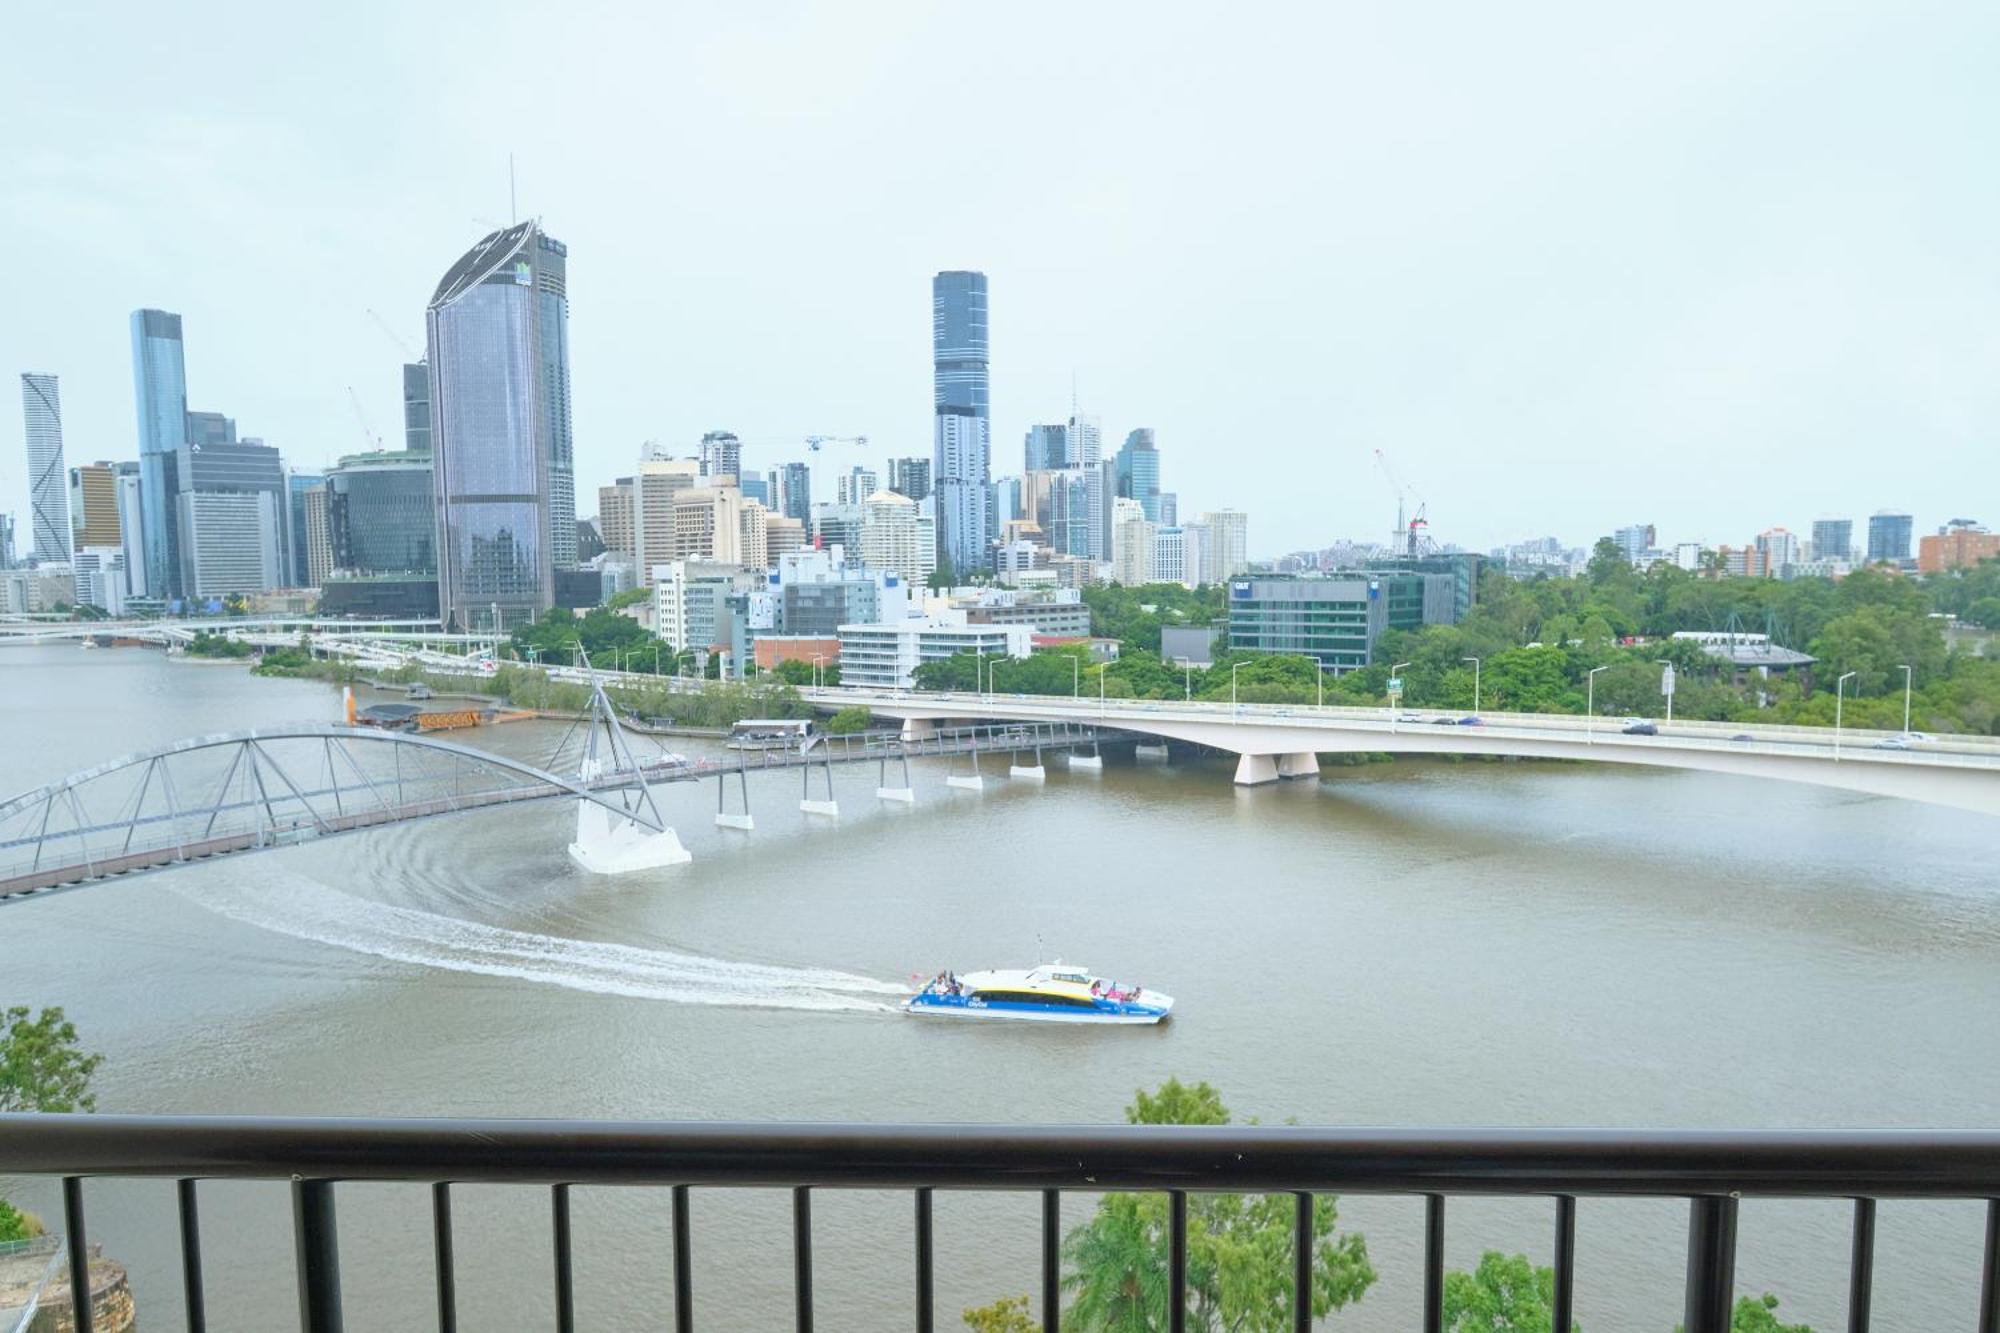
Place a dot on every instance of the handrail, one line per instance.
(1941, 1164)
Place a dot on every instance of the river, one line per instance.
(1398, 944)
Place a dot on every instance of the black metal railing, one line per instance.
(1713, 1170)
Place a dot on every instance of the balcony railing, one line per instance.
(1713, 1170)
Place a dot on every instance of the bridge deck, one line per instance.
(303, 821)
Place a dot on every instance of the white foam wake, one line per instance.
(404, 935)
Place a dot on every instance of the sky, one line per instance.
(1712, 266)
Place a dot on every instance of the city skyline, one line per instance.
(1703, 273)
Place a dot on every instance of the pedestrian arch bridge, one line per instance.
(1283, 741)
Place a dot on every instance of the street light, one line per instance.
(1590, 702)
(1906, 701)
(1475, 682)
(1187, 677)
(1396, 698)
(1075, 676)
(1233, 710)
(1839, 691)
(819, 667)
(1668, 664)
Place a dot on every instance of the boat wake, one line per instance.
(404, 935)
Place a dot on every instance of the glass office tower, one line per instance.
(504, 484)
(48, 480)
(159, 388)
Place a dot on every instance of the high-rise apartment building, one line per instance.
(1139, 472)
(1889, 537)
(1959, 544)
(910, 477)
(1170, 509)
(93, 505)
(1833, 539)
(159, 388)
(614, 517)
(1133, 542)
(962, 441)
(890, 537)
(48, 494)
(855, 485)
(720, 456)
(795, 498)
(417, 407)
(319, 539)
(1779, 548)
(1226, 544)
(1086, 452)
(1635, 541)
(6, 541)
(498, 331)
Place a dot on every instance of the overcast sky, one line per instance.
(1710, 265)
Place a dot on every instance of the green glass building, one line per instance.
(1335, 619)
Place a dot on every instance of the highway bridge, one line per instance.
(1276, 741)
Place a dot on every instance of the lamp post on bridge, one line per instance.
(1475, 683)
(1667, 686)
(1234, 711)
(1839, 691)
(1075, 676)
(1590, 703)
(1906, 701)
(1395, 693)
(819, 666)
(1187, 677)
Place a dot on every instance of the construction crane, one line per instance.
(813, 442)
(412, 353)
(1412, 537)
(374, 440)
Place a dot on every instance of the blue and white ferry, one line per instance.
(1051, 993)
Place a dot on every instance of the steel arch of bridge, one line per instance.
(281, 803)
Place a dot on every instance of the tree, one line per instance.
(1753, 1314)
(848, 721)
(1503, 1295)
(795, 672)
(41, 1068)
(13, 1223)
(1009, 1314)
(1239, 1249)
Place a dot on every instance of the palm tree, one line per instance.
(1117, 1278)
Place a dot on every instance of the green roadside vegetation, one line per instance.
(1538, 641)
(205, 644)
(43, 1067)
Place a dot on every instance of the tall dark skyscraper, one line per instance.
(417, 407)
(910, 477)
(1047, 448)
(505, 487)
(159, 388)
(795, 490)
(960, 460)
(1889, 536)
(1139, 472)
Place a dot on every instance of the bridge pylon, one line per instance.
(607, 842)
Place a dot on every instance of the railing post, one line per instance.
(1177, 1261)
(317, 1246)
(1711, 1263)
(802, 1258)
(926, 1285)
(565, 1280)
(1051, 1260)
(683, 1264)
(1989, 1269)
(191, 1286)
(1434, 1263)
(1564, 1308)
(1302, 1264)
(1861, 1267)
(447, 1276)
(79, 1254)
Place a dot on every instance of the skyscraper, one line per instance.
(93, 505)
(721, 455)
(159, 388)
(498, 333)
(48, 484)
(962, 430)
(1047, 448)
(417, 407)
(1086, 451)
(232, 512)
(1889, 536)
(1139, 471)
(298, 545)
(910, 477)
(796, 492)
(131, 529)
(1833, 539)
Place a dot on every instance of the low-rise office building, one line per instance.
(1336, 619)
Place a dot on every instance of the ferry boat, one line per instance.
(1051, 993)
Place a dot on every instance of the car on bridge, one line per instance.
(1639, 726)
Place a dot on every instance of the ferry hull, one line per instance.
(1035, 1014)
